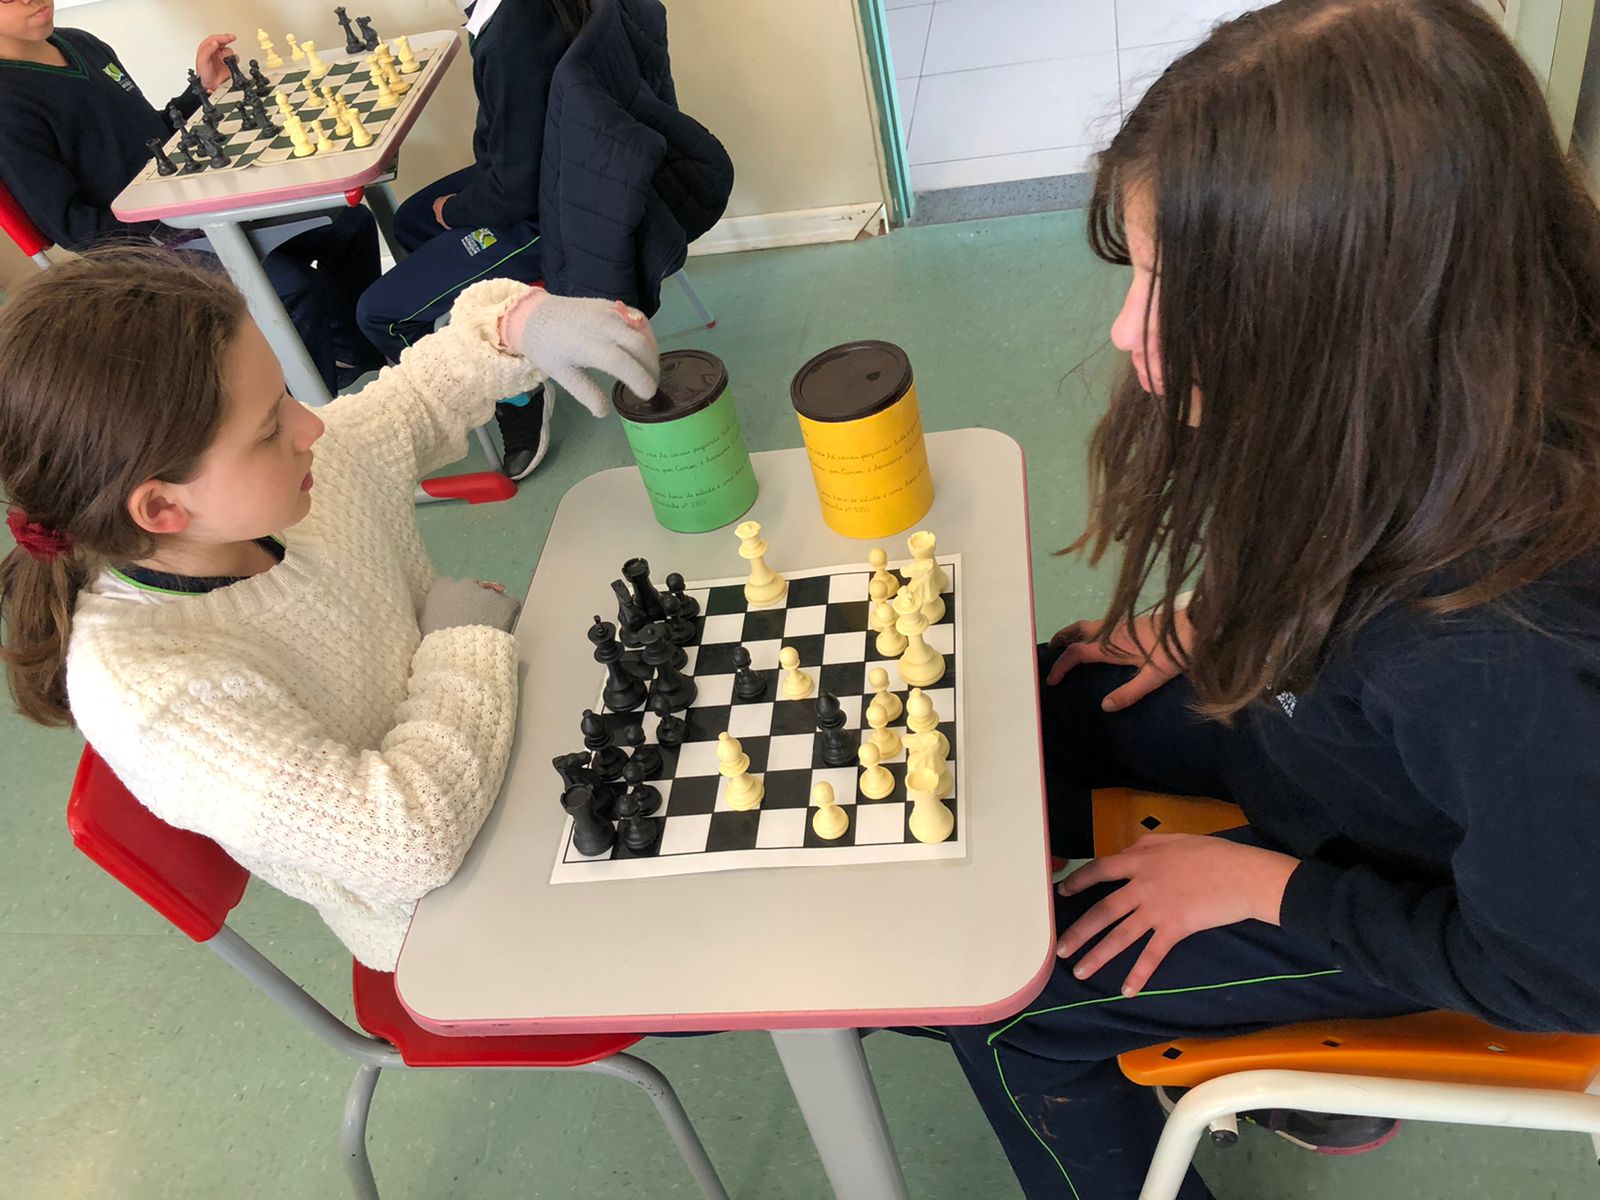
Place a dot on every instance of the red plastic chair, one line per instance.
(193, 883)
(21, 230)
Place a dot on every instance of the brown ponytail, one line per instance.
(110, 374)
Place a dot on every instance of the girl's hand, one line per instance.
(1156, 666)
(208, 62)
(438, 210)
(567, 337)
(1177, 884)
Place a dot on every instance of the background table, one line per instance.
(224, 203)
(809, 953)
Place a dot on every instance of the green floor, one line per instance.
(141, 1068)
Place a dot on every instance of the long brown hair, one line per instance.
(1384, 280)
(110, 374)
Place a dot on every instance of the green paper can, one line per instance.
(688, 444)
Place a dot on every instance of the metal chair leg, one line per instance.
(490, 452)
(353, 1132)
(701, 311)
(654, 1084)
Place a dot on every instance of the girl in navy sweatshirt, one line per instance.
(1361, 423)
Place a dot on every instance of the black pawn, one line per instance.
(175, 117)
(247, 116)
(641, 834)
(352, 43)
(590, 835)
(259, 110)
(369, 38)
(670, 730)
(608, 759)
(645, 798)
(637, 572)
(836, 748)
(623, 690)
(212, 141)
(186, 164)
(164, 165)
(236, 74)
(647, 756)
(261, 86)
(748, 684)
(670, 682)
(680, 629)
(676, 586)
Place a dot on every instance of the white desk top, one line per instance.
(499, 949)
(182, 199)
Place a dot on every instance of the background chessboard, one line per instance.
(824, 617)
(347, 75)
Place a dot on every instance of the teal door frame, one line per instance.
(880, 66)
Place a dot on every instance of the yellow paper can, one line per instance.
(857, 406)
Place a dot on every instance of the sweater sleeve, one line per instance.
(1504, 741)
(221, 749)
(50, 194)
(415, 417)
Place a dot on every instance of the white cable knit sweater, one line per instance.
(298, 717)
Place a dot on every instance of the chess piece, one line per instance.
(879, 561)
(359, 137)
(642, 752)
(670, 729)
(164, 165)
(878, 681)
(216, 153)
(260, 85)
(258, 110)
(341, 118)
(640, 834)
(629, 617)
(744, 790)
(889, 643)
(315, 67)
(796, 684)
(925, 548)
(930, 821)
(283, 104)
(829, 821)
(922, 719)
(295, 53)
(838, 747)
(920, 664)
(691, 606)
(385, 96)
(274, 59)
(624, 690)
(323, 144)
(637, 572)
(590, 835)
(884, 739)
(644, 797)
(397, 85)
(236, 76)
(608, 759)
(175, 118)
(369, 39)
(876, 781)
(297, 134)
(670, 681)
(208, 109)
(408, 61)
(573, 769)
(922, 581)
(246, 115)
(352, 41)
(680, 630)
(765, 586)
(930, 750)
(186, 163)
(748, 684)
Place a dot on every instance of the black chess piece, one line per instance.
(623, 690)
(670, 681)
(260, 85)
(369, 39)
(352, 43)
(247, 116)
(642, 752)
(175, 117)
(641, 834)
(676, 586)
(748, 684)
(670, 730)
(258, 109)
(164, 165)
(629, 618)
(208, 110)
(608, 759)
(637, 572)
(680, 630)
(236, 74)
(186, 164)
(208, 137)
(590, 834)
(837, 750)
(647, 798)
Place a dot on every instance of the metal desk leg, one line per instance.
(827, 1069)
(239, 257)
(380, 199)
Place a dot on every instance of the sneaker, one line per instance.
(524, 432)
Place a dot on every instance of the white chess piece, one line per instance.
(879, 562)
(922, 719)
(930, 820)
(925, 548)
(929, 751)
(881, 618)
(359, 137)
(323, 144)
(284, 106)
(829, 821)
(876, 782)
(885, 740)
(296, 129)
(273, 58)
(744, 790)
(765, 586)
(396, 85)
(920, 665)
(315, 67)
(341, 119)
(922, 582)
(385, 96)
(408, 61)
(878, 681)
(795, 684)
(295, 53)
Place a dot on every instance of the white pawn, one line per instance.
(922, 719)
(284, 106)
(879, 562)
(921, 665)
(796, 684)
(765, 586)
(295, 53)
(925, 548)
(315, 67)
(922, 583)
(341, 119)
(273, 58)
(930, 820)
(889, 643)
(878, 681)
(829, 821)
(883, 739)
(359, 137)
(744, 790)
(396, 85)
(323, 144)
(385, 96)
(876, 781)
(408, 61)
(296, 129)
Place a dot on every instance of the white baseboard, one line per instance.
(803, 227)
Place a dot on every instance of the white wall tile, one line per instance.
(1007, 110)
(908, 36)
(908, 106)
(1001, 168)
(1142, 66)
(991, 33)
(1148, 22)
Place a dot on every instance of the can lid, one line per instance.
(851, 381)
(690, 381)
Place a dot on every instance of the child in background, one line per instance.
(262, 655)
(74, 135)
(1362, 423)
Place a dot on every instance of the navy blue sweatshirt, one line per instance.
(72, 137)
(1441, 783)
(513, 62)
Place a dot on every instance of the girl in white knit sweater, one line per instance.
(264, 654)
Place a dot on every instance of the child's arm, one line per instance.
(49, 193)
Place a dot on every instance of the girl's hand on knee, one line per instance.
(1134, 643)
(1177, 884)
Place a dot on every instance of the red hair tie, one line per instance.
(40, 541)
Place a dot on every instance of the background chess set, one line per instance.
(823, 615)
(347, 74)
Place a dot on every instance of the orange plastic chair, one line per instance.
(1435, 1066)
